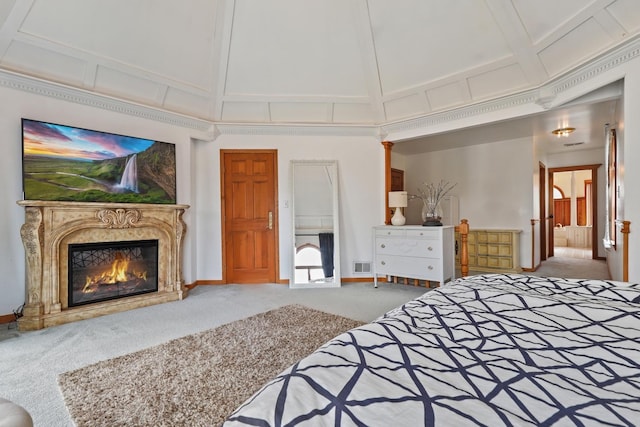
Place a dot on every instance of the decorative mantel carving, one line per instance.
(51, 226)
(119, 218)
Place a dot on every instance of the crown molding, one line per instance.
(524, 98)
(613, 58)
(296, 130)
(543, 96)
(61, 92)
(206, 130)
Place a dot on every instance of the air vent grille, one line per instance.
(362, 267)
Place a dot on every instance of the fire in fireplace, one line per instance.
(109, 270)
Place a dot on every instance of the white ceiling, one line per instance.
(329, 62)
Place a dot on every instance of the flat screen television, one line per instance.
(66, 163)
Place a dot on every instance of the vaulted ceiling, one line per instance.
(346, 62)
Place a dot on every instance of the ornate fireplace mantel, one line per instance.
(51, 226)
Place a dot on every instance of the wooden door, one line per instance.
(397, 184)
(542, 196)
(397, 180)
(552, 213)
(249, 194)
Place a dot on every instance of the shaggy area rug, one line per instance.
(197, 380)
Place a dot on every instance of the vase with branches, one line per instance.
(431, 195)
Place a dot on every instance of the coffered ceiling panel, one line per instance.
(331, 62)
(352, 113)
(60, 66)
(118, 83)
(196, 105)
(627, 13)
(246, 112)
(448, 95)
(575, 46)
(5, 9)
(300, 112)
(294, 48)
(405, 106)
(413, 40)
(496, 81)
(169, 38)
(541, 18)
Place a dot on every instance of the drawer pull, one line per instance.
(383, 263)
(382, 246)
(430, 248)
(430, 267)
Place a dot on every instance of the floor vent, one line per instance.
(362, 267)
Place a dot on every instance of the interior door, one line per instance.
(542, 196)
(249, 195)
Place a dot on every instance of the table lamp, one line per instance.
(397, 200)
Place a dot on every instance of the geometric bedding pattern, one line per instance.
(488, 350)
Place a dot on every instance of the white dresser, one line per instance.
(414, 251)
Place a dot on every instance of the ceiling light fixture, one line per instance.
(563, 132)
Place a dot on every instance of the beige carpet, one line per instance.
(197, 380)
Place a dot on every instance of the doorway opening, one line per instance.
(573, 206)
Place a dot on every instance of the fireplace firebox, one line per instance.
(111, 270)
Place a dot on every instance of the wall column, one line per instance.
(387, 179)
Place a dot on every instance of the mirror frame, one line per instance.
(332, 167)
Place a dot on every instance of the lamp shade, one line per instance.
(397, 199)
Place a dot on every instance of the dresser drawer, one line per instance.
(426, 233)
(423, 233)
(408, 247)
(404, 266)
(390, 231)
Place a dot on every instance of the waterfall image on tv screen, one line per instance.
(66, 163)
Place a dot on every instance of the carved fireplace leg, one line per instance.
(32, 233)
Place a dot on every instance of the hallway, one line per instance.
(567, 252)
(574, 263)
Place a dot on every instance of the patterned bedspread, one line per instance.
(487, 350)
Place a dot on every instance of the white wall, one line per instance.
(493, 185)
(360, 186)
(17, 104)
(480, 171)
(360, 179)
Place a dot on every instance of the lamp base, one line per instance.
(398, 218)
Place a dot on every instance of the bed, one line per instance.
(490, 350)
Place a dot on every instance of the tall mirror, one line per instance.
(316, 249)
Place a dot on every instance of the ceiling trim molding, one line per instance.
(296, 130)
(542, 96)
(77, 96)
(610, 60)
(503, 103)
